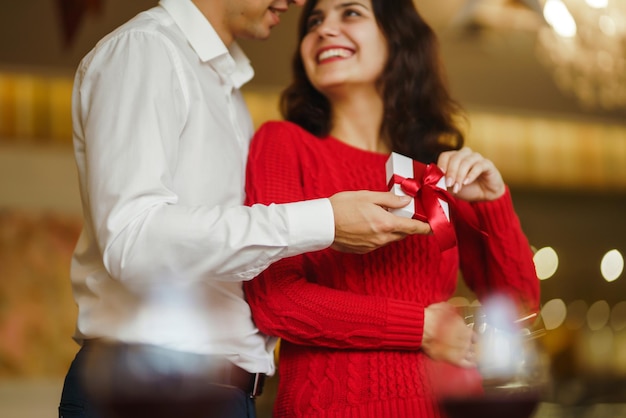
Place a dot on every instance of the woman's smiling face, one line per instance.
(343, 45)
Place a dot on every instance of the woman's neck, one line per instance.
(356, 120)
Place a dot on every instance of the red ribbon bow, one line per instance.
(427, 208)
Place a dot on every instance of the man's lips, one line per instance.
(275, 13)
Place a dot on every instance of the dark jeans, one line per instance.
(116, 384)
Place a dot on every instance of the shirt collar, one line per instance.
(228, 62)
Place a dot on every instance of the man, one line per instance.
(161, 136)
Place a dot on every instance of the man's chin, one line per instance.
(259, 35)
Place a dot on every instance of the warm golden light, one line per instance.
(546, 262)
(598, 315)
(584, 45)
(612, 265)
(607, 25)
(597, 4)
(553, 314)
(559, 17)
(601, 347)
(618, 316)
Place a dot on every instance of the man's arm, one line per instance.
(144, 220)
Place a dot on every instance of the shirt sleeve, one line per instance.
(284, 302)
(501, 262)
(129, 109)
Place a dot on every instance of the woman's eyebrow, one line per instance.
(349, 4)
(318, 12)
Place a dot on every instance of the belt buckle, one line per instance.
(257, 385)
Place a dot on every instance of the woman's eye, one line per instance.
(313, 22)
(351, 13)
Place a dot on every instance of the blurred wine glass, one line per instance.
(513, 367)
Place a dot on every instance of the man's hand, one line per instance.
(446, 336)
(363, 224)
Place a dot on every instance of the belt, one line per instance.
(232, 375)
(204, 368)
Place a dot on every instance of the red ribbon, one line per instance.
(427, 208)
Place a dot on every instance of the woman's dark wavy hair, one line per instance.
(420, 117)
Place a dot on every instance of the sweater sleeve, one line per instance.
(502, 262)
(283, 301)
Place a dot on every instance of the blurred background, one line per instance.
(543, 83)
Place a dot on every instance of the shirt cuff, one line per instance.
(311, 225)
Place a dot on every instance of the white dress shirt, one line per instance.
(161, 136)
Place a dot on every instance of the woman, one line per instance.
(361, 333)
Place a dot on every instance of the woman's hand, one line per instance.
(470, 176)
(446, 336)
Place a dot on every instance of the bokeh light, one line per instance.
(553, 314)
(618, 316)
(612, 265)
(598, 315)
(557, 15)
(597, 4)
(546, 262)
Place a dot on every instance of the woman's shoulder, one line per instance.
(283, 137)
(279, 138)
(280, 130)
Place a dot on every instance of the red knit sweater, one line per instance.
(351, 325)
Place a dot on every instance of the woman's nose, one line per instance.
(328, 27)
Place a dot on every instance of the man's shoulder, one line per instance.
(154, 20)
(149, 30)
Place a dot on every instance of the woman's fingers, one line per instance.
(465, 168)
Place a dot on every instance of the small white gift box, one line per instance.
(399, 168)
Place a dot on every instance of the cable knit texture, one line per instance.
(351, 325)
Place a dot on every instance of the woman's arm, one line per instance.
(501, 262)
(284, 303)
